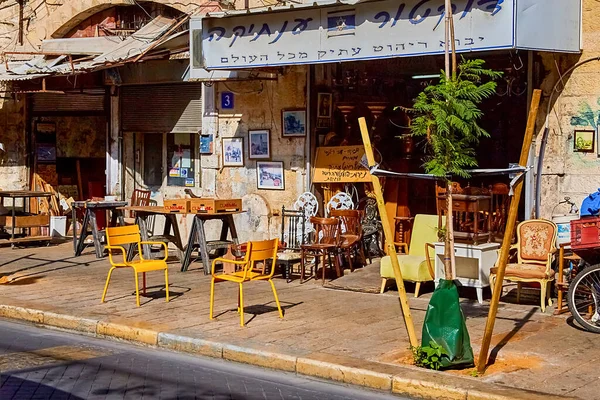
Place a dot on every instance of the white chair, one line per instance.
(341, 201)
(310, 204)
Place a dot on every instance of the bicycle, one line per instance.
(583, 298)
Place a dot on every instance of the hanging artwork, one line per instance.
(293, 122)
(583, 140)
(260, 147)
(233, 152)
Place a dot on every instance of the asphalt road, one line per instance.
(37, 363)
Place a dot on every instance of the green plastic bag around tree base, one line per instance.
(445, 325)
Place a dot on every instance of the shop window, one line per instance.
(153, 145)
(180, 159)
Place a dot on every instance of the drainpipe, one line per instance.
(307, 142)
(544, 141)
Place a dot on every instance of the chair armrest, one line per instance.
(151, 243)
(110, 257)
(431, 272)
(404, 246)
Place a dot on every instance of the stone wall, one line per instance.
(566, 172)
(258, 105)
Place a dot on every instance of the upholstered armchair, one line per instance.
(416, 264)
(535, 248)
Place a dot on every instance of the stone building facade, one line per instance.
(576, 105)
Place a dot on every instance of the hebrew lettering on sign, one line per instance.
(340, 164)
(364, 31)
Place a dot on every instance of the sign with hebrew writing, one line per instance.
(310, 34)
(367, 30)
(340, 164)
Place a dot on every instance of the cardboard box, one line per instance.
(177, 205)
(213, 206)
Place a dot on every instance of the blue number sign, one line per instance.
(226, 100)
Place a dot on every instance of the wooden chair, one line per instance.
(121, 235)
(293, 236)
(500, 203)
(536, 245)
(256, 252)
(138, 198)
(326, 242)
(351, 237)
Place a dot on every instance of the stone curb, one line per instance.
(401, 380)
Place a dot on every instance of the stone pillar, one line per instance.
(114, 146)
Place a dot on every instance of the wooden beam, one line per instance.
(510, 228)
(389, 237)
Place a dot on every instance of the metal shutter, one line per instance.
(69, 102)
(162, 108)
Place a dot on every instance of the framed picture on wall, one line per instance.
(324, 105)
(293, 122)
(583, 140)
(270, 175)
(233, 152)
(260, 145)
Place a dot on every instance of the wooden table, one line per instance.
(469, 204)
(171, 231)
(27, 220)
(197, 238)
(91, 208)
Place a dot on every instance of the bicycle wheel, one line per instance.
(583, 298)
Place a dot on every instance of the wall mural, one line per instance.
(586, 117)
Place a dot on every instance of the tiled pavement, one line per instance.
(47, 365)
(531, 350)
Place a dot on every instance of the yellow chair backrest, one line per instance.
(261, 252)
(424, 231)
(121, 235)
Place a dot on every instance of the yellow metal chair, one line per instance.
(536, 246)
(122, 235)
(252, 269)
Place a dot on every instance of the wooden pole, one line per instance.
(510, 228)
(447, 6)
(389, 237)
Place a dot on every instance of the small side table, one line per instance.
(473, 264)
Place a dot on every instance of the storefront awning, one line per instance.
(348, 30)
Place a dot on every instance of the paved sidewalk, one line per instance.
(532, 350)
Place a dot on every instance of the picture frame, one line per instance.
(270, 175)
(233, 152)
(584, 140)
(324, 105)
(259, 144)
(293, 122)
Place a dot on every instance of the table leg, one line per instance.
(187, 255)
(172, 220)
(143, 224)
(14, 221)
(476, 226)
(83, 232)
(479, 295)
(202, 245)
(95, 234)
(559, 280)
(74, 221)
(233, 230)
